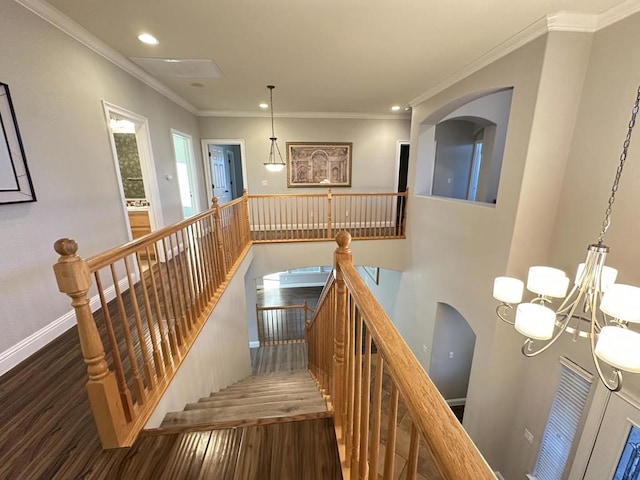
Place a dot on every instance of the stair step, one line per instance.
(276, 387)
(251, 393)
(242, 414)
(269, 380)
(214, 402)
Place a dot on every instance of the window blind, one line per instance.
(568, 405)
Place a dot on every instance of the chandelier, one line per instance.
(272, 165)
(596, 307)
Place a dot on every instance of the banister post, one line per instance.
(219, 237)
(341, 254)
(74, 278)
(245, 202)
(329, 213)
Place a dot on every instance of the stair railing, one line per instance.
(283, 324)
(317, 217)
(356, 355)
(155, 295)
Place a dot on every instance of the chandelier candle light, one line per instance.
(272, 165)
(596, 308)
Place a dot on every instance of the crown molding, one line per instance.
(328, 115)
(558, 22)
(89, 40)
(617, 13)
(520, 39)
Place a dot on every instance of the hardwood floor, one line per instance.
(274, 297)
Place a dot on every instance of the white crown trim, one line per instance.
(333, 115)
(557, 22)
(89, 40)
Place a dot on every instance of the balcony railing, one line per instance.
(317, 217)
(156, 294)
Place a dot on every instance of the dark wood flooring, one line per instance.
(275, 297)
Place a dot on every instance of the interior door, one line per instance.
(616, 453)
(219, 174)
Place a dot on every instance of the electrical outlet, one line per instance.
(528, 435)
(450, 354)
(265, 183)
(424, 348)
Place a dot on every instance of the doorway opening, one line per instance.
(402, 172)
(186, 170)
(451, 356)
(135, 170)
(225, 169)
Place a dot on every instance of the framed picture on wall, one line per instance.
(312, 164)
(15, 181)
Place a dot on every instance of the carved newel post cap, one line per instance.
(66, 247)
(343, 239)
(214, 202)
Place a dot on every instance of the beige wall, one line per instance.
(57, 85)
(374, 147)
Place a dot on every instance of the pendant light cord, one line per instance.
(271, 87)
(623, 158)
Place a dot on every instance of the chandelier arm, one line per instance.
(504, 308)
(567, 303)
(526, 346)
(615, 383)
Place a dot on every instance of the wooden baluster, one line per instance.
(186, 320)
(218, 270)
(219, 238)
(174, 293)
(74, 279)
(131, 352)
(205, 260)
(387, 220)
(190, 272)
(351, 373)
(341, 254)
(123, 388)
(405, 205)
(146, 362)
(196, 260)
(164, 332)
(259, 325)
(329, 214)
(157, 357)
(306, 318)
(357, 398)
(377, 410)
(364, 408)
(392, 425)
(412, 462)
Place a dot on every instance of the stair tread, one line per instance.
(200, 416)
(255, 398)
(249, 393)
(270, 387)
(213, 402)
(272, 380)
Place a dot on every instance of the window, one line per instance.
(565, 416)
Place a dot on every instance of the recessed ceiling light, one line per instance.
(264, 105)
(148, 39)
(395, 108)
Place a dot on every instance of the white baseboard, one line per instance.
(499, 475)
(456, 402)
(34, 342)
(254, 344)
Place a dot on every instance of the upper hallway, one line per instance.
(571, 97)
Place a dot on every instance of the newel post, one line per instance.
(247, 225)
(341, 254)
(74, 278)
(219, 238)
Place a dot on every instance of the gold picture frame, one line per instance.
(315, 164)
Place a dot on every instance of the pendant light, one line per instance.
(272, 165)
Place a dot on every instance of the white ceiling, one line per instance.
(323, 55)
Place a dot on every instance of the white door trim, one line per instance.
(193, 177)
(207, 166)
(145, 152)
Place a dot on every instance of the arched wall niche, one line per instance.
(461, 145)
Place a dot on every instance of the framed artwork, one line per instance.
(312, 164)
(15, 182)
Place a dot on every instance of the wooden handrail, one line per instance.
(346, 374)
(164, 286)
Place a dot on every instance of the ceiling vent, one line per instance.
(169, 67)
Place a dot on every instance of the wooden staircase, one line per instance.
(257, 400)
